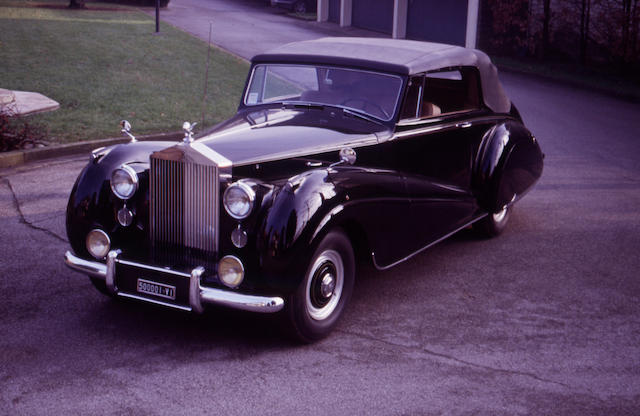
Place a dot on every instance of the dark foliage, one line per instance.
(599, 33)
(16, 133)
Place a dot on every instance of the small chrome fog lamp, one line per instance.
(125, 216)
(239, 237)
(238, 200)
(98, 243)
(230, 271)
(124, 182)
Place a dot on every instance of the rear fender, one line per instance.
(508, 164)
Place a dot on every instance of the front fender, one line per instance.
(371, 203)
(285, 232)
(93, 205)
(508, 164)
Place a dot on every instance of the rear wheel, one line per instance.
(493, 224)
(313, 310)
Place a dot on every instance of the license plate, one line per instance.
(156, 289)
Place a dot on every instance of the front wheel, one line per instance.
(313, 310)
(493, 224)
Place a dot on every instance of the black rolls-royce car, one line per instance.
(340, 147)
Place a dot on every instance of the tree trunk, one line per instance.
(584, 30)
(626, 26)
(545, 28)
(635, 22)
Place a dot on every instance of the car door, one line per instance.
(441, 127)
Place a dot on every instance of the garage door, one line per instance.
(374, 15)
(334, 11)
(437, 21)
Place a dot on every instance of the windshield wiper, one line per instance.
(320, 106)
(360, 115)
(303, 104)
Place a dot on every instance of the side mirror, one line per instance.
(348, 155)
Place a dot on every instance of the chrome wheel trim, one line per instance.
(500, 215)
(323, 283)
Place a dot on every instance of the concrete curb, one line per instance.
(19, 157)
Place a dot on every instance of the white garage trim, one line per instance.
(400, 8)
(323, 10)
(472, 23)
(346, 11)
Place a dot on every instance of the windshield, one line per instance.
(372, 93)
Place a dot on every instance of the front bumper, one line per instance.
(198, 295)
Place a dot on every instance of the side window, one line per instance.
(288, 82)
(274, 82)
(442, 92)
(411, 107)
(254, 94)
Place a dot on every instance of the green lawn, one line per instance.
(106, 65)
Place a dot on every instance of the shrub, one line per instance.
(16, 133)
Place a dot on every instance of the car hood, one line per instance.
(272, 134)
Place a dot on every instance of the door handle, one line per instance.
(464, 125)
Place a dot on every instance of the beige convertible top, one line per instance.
(399, 56)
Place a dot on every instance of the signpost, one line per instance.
(157, 16)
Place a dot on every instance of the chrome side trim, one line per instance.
(435, 124)
(198, 294)
(377, 266)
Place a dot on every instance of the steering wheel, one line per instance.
(365, 104)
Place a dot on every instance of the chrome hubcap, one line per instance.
(328, 285)
(324, 285)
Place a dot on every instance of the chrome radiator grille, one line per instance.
(184, 204)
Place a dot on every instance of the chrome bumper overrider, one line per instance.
(198, 295)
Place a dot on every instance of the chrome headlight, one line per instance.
(98, 243)
(238, 200)
(124, 182)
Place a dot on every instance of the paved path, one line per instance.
(543, 320)
(246, 27)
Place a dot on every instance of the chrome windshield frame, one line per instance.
(396, 98)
